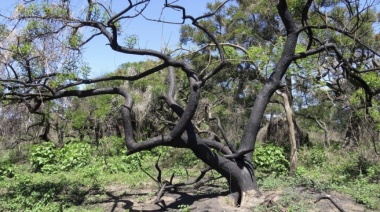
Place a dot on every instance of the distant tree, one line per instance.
(43, 43)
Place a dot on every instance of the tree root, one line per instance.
(331, 200)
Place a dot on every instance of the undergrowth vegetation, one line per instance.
(74, 177)
(354, 173)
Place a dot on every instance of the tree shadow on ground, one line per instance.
(171, 201)
(189, 199)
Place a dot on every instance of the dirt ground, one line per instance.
(208, 199)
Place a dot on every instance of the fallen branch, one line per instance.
(160, 194)
(331, 200)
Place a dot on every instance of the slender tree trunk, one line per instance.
(324, 127)
(292, 133)
(327, 137)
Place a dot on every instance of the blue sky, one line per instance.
(153, 35)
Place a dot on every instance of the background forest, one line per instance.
(171, 120)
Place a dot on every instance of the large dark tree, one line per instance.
(42, 43)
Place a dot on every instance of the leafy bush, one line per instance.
(364, 193)
(6, 170)
(373, 172)
(47, 158)
(74, 155)
(360, 166)
(115, 165)
(132, 161)
(128, 163)
(28, 193)
(25, 194)
(43, 157)
(314, 157)
(110, 146)
(270, 159)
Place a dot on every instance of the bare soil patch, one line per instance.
(122, 198)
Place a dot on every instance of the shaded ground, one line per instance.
(119, 198)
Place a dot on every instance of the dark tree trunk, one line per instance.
(238, 172)
(273, 83)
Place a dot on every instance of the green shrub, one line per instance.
(132, 161)
(270, 159)
(43, 157)
(74, 154)
(301, 171)
(314, 157)
(28, 193)
(6, 170)
(25, 194)
(362, 192)
(115, 165)
(174, 159)
(357, 166)
(373, 172)
(47, 158)
(110, 146)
